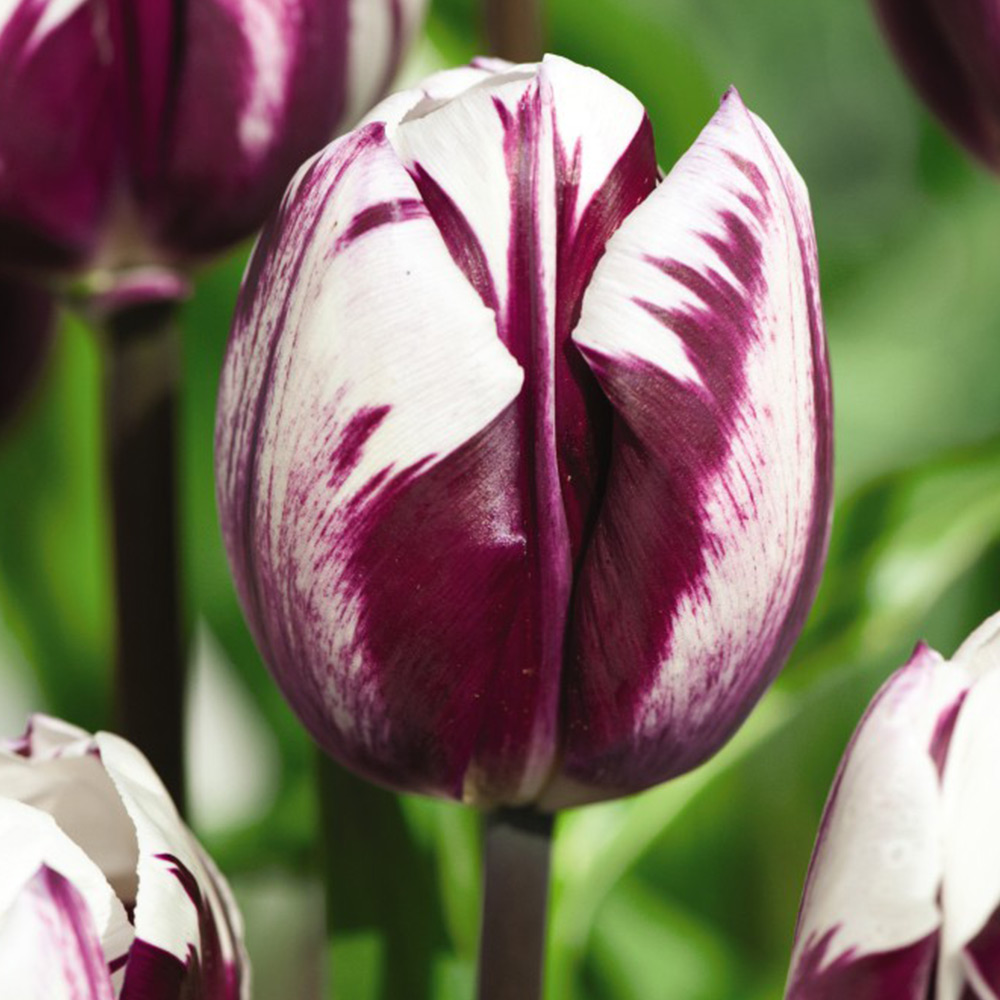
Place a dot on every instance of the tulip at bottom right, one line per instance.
(902, 896)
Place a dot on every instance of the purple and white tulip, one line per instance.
(950, 49)
(104, 893)
(902, 899)
(147, 134)
(523, 452)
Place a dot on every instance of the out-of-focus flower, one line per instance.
(144, 134)
(950, 49)
(28, 324)
(902, 899)
(104, 893)
(523, 454)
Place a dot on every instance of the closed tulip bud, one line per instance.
(29, 320)
(148, 134)
(902, 899)
(523, 453)
(104, 893)
(950, 49)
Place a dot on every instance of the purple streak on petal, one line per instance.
(460, 238)
(583, 415)
(382, 214)
(67, 942)
(29, 318)
(57, 136)
(902, 974)
(949, 50)
(227, 133)
(153, 973)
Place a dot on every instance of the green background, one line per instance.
(688, 891)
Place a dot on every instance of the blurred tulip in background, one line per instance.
(523, 454)
(950, 49)
(145, 135)
(902, 898)
(104, 893)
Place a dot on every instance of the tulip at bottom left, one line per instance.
(104, 892)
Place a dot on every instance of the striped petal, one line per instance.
(404, 460)
(870, 918)
(117, 824)
(217, 131)
(970, 944)
(30, 841)
(702, 325)
(49, 948)
(57, 131)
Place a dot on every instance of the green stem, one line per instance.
(514, 29)
(141, 393)
(515, 903)
(385, 927)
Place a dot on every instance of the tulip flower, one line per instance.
(145, 134)
(950, 49)
(902, 898)
(104, 893)
(523, 453)
(29, 320)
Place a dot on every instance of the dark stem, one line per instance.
(515, 902)
(514, 29)
(141, 385)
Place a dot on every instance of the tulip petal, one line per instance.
(379, 33)
(49, 948)
(870, 918)
(57, 131)
(188, 931)
(970, 942)
(702, 324)
(948, 48)
(214, 140)
(428, 601)
(31, 840)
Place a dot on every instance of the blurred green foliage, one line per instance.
(688, 891)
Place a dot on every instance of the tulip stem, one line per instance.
(515, 903)
(141, 395)
(514, 29)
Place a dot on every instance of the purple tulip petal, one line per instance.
(215, 140)
(413, 539)
(57, 131)
(29, 321)
(703, 327)
(949, 49)
(870, 913)
(49, 946)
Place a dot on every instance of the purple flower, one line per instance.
(951, 51)
(523, 453)
(902, 900)
(104, 893)
(29, 320)
(137, 134)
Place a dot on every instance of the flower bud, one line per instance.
(104, 893)
(950, 49)
(138, 134)
(523, 454)
(29, 320)
(902, 897)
